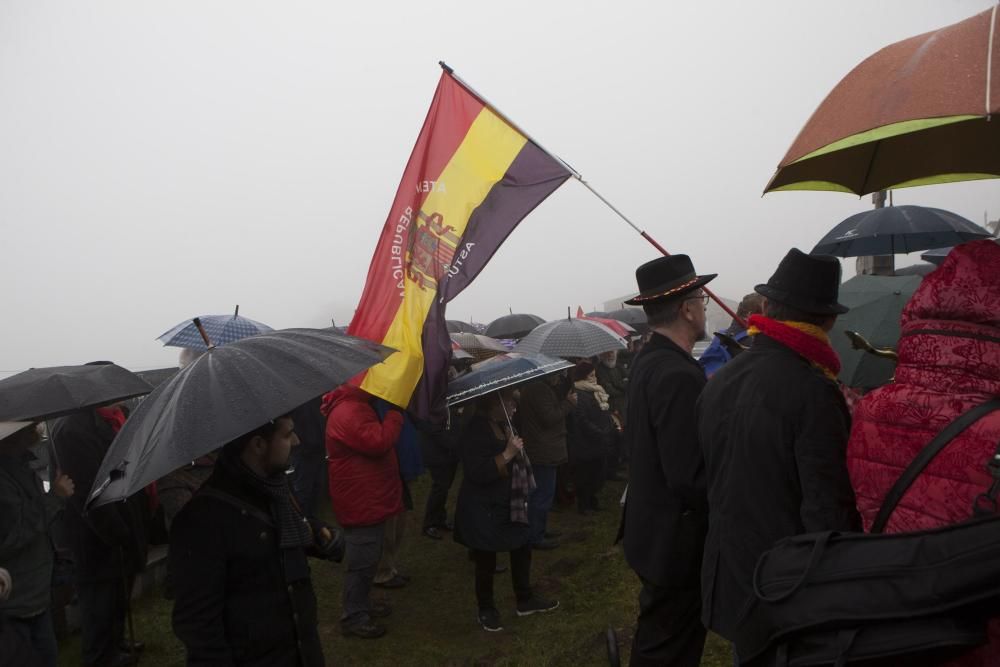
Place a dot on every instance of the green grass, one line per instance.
(434, 618)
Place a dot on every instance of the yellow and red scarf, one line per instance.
(806, 340)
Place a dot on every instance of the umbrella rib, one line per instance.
(989, 62)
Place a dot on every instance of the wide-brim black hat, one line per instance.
(809, 283)
(665, 278)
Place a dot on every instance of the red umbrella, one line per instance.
(620, 328)
(915, 113)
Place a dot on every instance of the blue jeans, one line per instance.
(38, 631)
(540, 501)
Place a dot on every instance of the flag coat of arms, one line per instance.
(471, 178)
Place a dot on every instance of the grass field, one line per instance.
(434, 618)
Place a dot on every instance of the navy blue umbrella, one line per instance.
(895, 230)
(502, 372)
(221, 329)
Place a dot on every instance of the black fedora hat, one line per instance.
(666, 277)
(809, 283)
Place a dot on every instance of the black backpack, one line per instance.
(869, 599)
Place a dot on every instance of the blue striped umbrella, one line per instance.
(221, 329)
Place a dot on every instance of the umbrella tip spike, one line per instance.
(237, 313)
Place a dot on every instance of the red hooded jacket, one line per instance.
(365, 487)
(949, 362)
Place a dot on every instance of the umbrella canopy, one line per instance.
(221, 330)
(571, 338)
(502, 372)
(621, 328)
(935, 255)
(915, 113)
(226, 392)
(896, 230)
(480, 347)
(634, 317)
(516, 325)
(458, 326)
(876, 303)
(46, 393)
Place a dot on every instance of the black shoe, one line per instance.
(500, 569)
(536, 605)
(447, 525)
(367, 630)
(379, 610)
(545, 545)
(433, 532)
(397, 581)
(490, 620)
(552, 534)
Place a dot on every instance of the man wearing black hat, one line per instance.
(665, 515)
(773, 427)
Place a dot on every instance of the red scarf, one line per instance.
(806, 340)
(113, 416)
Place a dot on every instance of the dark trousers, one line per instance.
(37, 631)
(588, 477)
(669, 630)
(520, 571)
(540, 501)
(362, 553)
(102, 619)
(442, 477)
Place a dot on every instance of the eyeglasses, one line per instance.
(702, 297)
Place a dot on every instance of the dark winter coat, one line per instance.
(592, 429)
(542, 414)
(239, 598)
(665, 514)
(81, 441)
(365, 485)
(26, 512)
(482, 512)
(773, 430)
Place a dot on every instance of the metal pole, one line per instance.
(579, 177)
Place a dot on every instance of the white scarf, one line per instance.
(596, 389)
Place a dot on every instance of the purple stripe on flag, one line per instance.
(532, 176)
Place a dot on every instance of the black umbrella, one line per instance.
(458, 326)
(571, 338)
(225, 393)
(876, 303)
(897, 230)
(935, 255)
(634, 317)
(502, 372)
(46, 393)
(516, 325)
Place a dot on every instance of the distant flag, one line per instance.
(471, 178)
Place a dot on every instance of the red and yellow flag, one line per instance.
(470, 180)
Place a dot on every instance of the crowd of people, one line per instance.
(725, 456)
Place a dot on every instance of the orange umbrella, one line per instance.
(915, 113)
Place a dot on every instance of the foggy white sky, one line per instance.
(160, 160)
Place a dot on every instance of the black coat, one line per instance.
(239, 598)
(591, 429)
(774, 433)
(665, 516)
(482, 512)
(81, 440)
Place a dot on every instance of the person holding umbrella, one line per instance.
(491, 514)
(26, 512)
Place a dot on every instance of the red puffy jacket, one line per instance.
(365, 487)
(949, 362)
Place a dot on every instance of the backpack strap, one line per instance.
(233, 501)
(927, 454)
